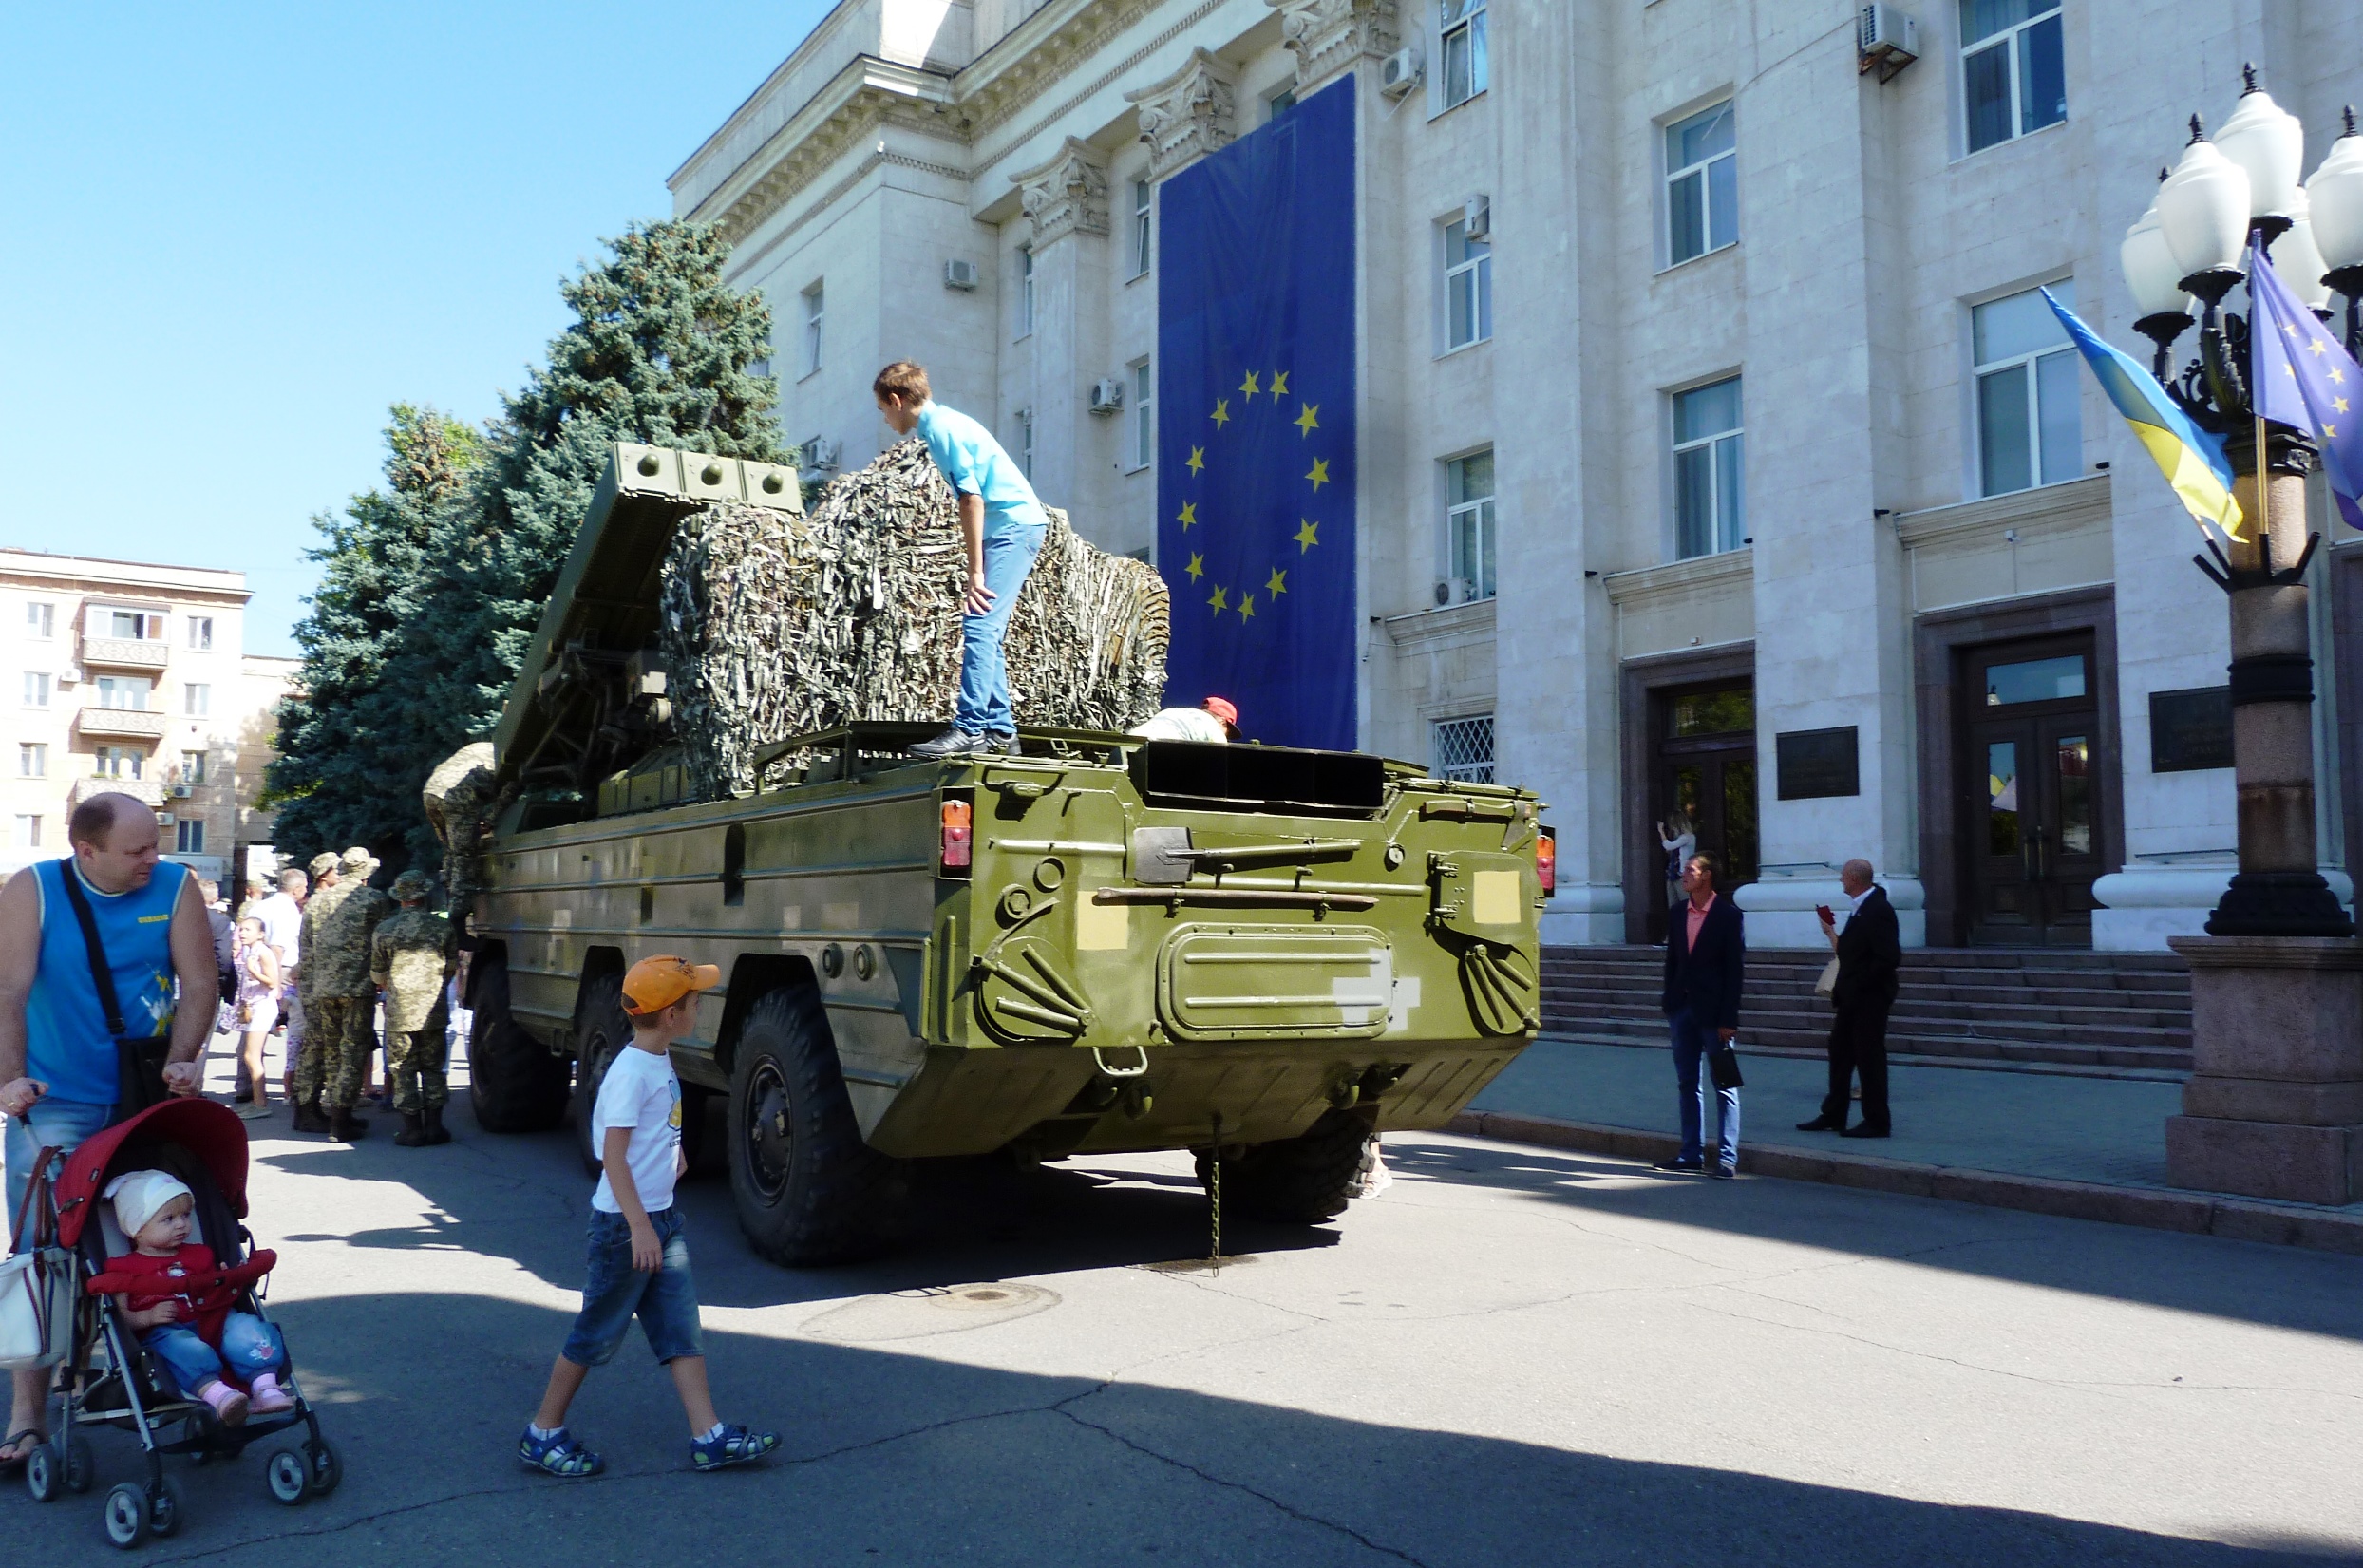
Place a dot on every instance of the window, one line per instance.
(32, 760)
(28, 833)
(1025, 291)
(1142, 232)
(119, 762)
(1702, 184)
(201, 633)
(1143, 417)
(36, 689)
(129, 692)
(1707, 505)
(1462, 24)
(1024, 442)
(814, 299)
(761, 364)
(1463, 749)
(1278, 105)
(2029, 428)
(130, 625)
(40, 620)
(2034, 681)
(1467, 288)
(193, 767)
(188, 837)
(197, 699)
(1468, 526)
(2012, 77)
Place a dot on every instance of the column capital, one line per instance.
(1066, 194)
(1330, 37)
(1191, 113)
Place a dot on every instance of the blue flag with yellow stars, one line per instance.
(1255, 426)
(2304, 379)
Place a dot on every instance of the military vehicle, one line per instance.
(1102, 944)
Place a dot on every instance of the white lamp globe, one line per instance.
(2203, 209)
(2150, 271)
(2269, 144)
(2299, 262)
(2335, 195)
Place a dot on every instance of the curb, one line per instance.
(2160, 1209)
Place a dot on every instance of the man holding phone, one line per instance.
(1870, 960)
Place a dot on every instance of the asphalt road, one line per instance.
(1512, 1356)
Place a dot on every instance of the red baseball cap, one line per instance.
(1221, 708)
(654, 984)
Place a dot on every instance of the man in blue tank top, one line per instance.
(58, 1061)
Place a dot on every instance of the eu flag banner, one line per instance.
(2305, 379)
(1256, 429)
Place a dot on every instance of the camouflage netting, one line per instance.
(776, 624)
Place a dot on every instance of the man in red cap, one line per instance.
(1216, 721)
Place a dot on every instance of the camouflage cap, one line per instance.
(413, 884)
(324, 863)
(357, 859)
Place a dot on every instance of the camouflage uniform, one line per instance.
(342, 1029)
(412, 954)
(316, 1047)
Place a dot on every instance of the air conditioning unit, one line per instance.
(959, 274)
(819, 456)
(165, 819)
(69, 676)
(1886, 37)
(1108, 396)
(1444, 592)
(179, 792)
(1477, 217)
(1399, 73)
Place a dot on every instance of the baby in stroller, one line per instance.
(172, 1294)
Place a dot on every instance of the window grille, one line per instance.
(1463, 748)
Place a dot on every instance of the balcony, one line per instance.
(146, 791)
(128, 724)
(123, 654)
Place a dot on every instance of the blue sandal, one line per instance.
(557, 1454)
(731, 1446)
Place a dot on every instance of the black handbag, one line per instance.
(1723, 1066)
(139, 1064)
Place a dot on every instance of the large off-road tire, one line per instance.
(807, 1189)
(513, 1082)
(601, 1030)
(1300, 1181)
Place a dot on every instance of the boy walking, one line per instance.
(639, 1252)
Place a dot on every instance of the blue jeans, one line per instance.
(614, 1291)
(51, 1123)
(983, 705)
(249, 1346)
(1692, 1041)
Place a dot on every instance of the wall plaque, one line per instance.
(1816, 762)
(2190, 729)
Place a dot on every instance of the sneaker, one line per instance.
(1726, 1173)
(559, 1454)
(1693, 1166)
(1003, 744)
(954, 742)
(265, 1396)
(730, 1446)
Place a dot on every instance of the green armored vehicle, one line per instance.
(1261, 954)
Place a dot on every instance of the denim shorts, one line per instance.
(614, 1291)
(59, 1123)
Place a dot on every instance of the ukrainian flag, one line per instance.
(2191, 459)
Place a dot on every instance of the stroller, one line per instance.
(205, 1146)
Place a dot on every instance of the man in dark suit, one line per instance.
(1705, 957)
(1870, 956)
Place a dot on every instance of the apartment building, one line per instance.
(1717, 454)
(129, 677)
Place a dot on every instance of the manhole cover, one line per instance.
(937, 1308)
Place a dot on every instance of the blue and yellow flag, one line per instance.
(2191, 459)
(1256, 428)
(2304, 378)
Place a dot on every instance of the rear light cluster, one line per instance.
(1546, 860)
(957, 818)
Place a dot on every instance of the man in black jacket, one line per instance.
(1705, 955)
(1870, 955)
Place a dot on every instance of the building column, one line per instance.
(1331, 37)
(1065, 201)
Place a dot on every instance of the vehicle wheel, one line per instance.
(1300, 1181)
(807, 1189)
(45, 1472)
(126, 1515)
(163, 1505)
(81, 1470)
(289, 1477)
(602, 1030)
(513, 1082)
(327, 1470)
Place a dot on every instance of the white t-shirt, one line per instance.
(1183, 724)
(640, 1093)
(282, 926)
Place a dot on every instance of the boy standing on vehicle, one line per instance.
(639, 1252)
(1002, 524)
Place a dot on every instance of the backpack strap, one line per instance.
(102, 977)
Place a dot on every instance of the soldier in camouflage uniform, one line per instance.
(309, 1045)
(345, 1025)
(410, 957)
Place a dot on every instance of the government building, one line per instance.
(1717, 457)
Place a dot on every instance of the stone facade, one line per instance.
(1871, 576)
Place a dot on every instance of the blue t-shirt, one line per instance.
(975, 465)
(66, 1044)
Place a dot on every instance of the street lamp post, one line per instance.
(2274, 1104)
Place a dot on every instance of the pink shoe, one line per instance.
(227, 1402)
(267, 1396)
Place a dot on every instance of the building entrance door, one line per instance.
(2033, 758)
(1703, 771)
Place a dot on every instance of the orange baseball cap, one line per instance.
(654, 984)
(1221, 708)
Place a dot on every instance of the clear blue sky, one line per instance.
(234, 234)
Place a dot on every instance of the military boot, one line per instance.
(309, 1117)
(436, 1132)
(413, 1133)
(345, 1126)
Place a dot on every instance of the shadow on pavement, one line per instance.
(905, 1458)
(2280, 1287)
